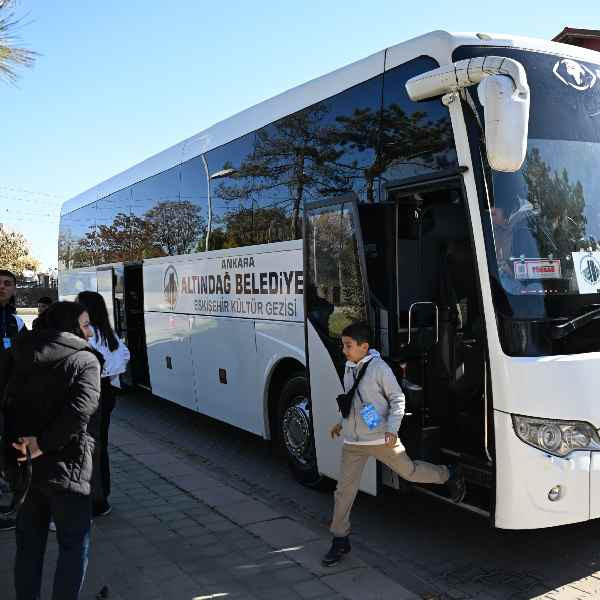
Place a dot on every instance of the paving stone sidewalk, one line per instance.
(178, 533)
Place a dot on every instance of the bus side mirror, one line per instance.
(504, 93)
(506, 114)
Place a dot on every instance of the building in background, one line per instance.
(586, 38)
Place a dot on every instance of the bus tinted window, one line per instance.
(259, 183)
(279, 170)
(231, 190)
(156, 213)
(162, 187)
(117, 236)
(327, 149)
(350, 140)
(75, 247)
(416, 137)
(193, 202)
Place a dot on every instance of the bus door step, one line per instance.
(477, 475)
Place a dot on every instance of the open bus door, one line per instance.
(135, 326)
(110, 286)
(439, 345)
(106, 280)
(336, 295)
(106, 288)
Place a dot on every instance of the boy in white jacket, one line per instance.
(371, 429)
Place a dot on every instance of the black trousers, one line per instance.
(72, 515)
(101, 477)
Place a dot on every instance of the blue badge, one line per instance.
(6, 343)
(370, 416)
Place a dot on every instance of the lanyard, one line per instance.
(4, 321)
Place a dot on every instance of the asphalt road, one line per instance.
(432, 548)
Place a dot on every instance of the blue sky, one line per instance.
(118, 81)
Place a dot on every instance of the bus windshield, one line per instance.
(542, 223)
(546, 220)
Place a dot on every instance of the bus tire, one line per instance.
(295, 433)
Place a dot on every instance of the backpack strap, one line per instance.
(360, 375)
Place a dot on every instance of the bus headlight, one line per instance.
(556, 437)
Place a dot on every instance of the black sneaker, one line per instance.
(339, 547)
(101, 509)
(7, 524)
(456, 484)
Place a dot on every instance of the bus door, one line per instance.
(110, 287)
(378, 236)
(135, 332)
(106, 288)
(335, 296)
(119, 301)
(439, 348)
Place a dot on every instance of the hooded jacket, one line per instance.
(52, 391)
(378, 387)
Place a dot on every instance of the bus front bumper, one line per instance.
(535, 489)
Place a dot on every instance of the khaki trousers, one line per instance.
(354, 459)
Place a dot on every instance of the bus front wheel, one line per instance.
(296, 432)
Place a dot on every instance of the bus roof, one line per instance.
(437, 44)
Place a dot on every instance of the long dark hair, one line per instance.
(64, 316)
(96, 307)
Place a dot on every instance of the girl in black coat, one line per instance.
(52, 392)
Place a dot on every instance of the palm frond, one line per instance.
(12, 54)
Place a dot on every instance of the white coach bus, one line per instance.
(445, 190)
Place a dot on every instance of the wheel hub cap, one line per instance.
(296, 428)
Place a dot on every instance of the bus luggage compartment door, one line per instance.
(335, 295)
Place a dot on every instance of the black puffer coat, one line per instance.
(52, 391)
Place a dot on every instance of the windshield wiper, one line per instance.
(564, 329)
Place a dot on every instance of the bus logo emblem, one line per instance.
(574, 74)
(171, 286)
(590, 269)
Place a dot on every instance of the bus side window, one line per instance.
(159, 222)
(193, 196)
(416, 136)
(231, 193)
(77, 232)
